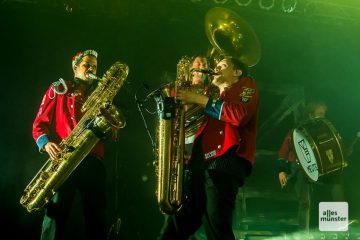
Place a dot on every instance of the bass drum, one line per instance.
(318, 147)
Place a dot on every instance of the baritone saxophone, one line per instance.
(171, 141)
(100, 117)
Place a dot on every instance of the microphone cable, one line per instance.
(140, 106)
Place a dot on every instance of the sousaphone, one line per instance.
(231, 35)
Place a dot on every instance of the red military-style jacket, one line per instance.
(58, 115)
(231, 120)
(286, 151)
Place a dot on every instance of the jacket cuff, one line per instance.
(283, 166)
(213, 108)
(41, 141)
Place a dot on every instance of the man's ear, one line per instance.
(237, 72)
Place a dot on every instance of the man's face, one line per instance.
(199, 63)
(87, 64)
(319, 112)
(225, 70)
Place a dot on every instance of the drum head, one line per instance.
(305, 155)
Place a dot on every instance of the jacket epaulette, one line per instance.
(56, 86)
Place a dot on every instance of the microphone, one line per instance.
(144, 100)
(156, 92)
(206, 71)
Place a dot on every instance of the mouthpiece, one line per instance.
(91, 76)
(206, 71)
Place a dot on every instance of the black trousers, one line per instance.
(210, 200)
(89, 180)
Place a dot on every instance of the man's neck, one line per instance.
(84, 85)
(227, 84)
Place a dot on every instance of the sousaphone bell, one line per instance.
(231, 35)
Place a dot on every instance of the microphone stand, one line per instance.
(115, 227)
(139, 104)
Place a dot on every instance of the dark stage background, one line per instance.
(315, 49)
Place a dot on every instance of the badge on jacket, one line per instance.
(246, 94)
(210, 154)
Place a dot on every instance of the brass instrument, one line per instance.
(194, 114)
(100, 116)
(170, 138)
(230, 35)
(174, 122)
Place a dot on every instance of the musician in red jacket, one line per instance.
(222, 156)
(290, 170)
(59, 112)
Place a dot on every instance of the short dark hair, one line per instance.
(198, 55)
(313, 105)
(238, 64)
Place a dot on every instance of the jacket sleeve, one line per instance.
(283, 165)
(236, 111)
(44, 119)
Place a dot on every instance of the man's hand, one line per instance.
(283, 179)
(190, 97)
(52, 149)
